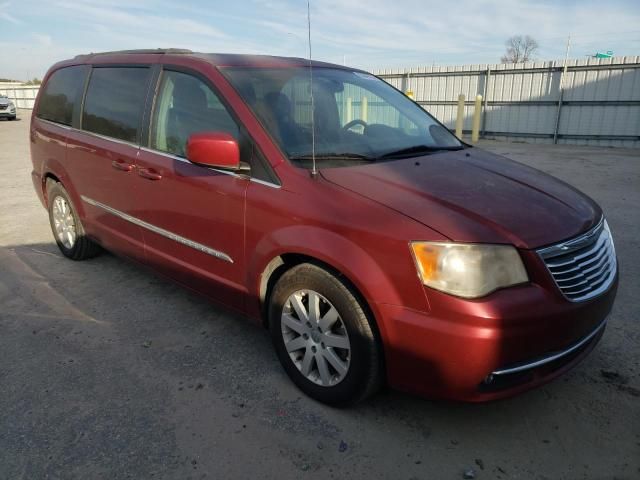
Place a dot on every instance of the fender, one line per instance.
(340, 253)
(335, 250)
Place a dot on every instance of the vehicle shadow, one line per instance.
(108, 339)
(45, 287)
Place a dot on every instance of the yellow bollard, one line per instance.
(365, 109)
(460, 116)
(475, 125)
(409, 94)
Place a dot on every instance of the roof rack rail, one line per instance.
(156, 51)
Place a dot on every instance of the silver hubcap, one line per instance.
(316, 338)
(63, 222)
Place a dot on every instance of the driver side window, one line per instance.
(358, 106)
(186, 105)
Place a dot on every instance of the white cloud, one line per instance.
(379, 32)
(116, 17)
(370, 33)
(6, 15)
(43, 39)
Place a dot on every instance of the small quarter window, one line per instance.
(62, 94)
(115, 102)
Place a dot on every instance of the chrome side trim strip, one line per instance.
(64, 127)
(159, 231)
(218, 170)
(108, 139)
(553, 357)
(165, 154)
(91, 134)
(184, 160)
(265, 183)
(158, 152)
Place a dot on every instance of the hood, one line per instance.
(475, 196)
(4, 101)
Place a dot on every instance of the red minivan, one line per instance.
(375, 246)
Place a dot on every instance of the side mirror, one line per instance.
(214, 149)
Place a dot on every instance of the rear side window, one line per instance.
(115, 102)
(61, 94)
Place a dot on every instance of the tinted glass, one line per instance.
(61, 94)
(186, 105)
(357, 117)
(115, 102)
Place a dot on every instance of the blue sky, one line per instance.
(364, 33)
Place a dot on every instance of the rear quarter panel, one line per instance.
(48, 146)
(48, 143)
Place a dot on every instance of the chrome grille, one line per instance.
(583, 267)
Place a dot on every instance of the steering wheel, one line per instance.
(353, 123)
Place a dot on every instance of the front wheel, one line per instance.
(323, 337)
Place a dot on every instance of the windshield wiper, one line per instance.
(417, 150)
(334, 156)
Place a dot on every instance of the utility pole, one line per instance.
(561, 88)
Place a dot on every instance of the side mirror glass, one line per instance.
(214, 149)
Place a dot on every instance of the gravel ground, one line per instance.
(111, 372)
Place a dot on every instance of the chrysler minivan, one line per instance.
(376, 247)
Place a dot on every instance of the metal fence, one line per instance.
(598, 103)
(23, 95)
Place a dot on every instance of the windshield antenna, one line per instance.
(314, 172)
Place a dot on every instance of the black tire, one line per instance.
(83, 248)
(364, 375)
(12, 118)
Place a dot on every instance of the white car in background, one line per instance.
(7, 108)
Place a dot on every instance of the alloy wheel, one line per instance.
(316, 338)
(63, 222)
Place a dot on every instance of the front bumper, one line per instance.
(489, 348)
(523, 373)
(8, 112)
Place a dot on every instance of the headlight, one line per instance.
(468, 270)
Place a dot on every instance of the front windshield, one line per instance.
(358, 117)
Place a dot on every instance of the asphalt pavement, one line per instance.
(108, 371)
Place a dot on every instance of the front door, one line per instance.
(194, 216)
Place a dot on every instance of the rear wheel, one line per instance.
(323, 338)
(66, 226)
